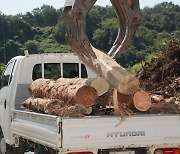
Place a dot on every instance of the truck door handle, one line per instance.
(5, 104)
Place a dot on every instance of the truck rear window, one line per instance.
(71, 70)
(53, 71)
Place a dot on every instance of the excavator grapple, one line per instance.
(128, 15)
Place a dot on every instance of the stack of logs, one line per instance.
(79, 97)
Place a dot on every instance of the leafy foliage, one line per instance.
(43, 30)
(2, 67)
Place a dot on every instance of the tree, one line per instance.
(32, 46)
(96, 15)
(10, 50)
(144, 39)
(59, 31)
(15, 28)
(105, 35)
(44, 16)
(163, 17)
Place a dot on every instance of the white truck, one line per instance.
(23, 131)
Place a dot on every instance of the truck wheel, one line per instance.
(40, 149)
(15, 150)
(19, 150)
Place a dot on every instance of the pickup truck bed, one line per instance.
(88, 133)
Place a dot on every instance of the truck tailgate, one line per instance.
(113, 132)
(37, 127)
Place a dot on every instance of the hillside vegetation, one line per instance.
(43, 30)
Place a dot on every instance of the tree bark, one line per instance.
(55, 107)
(70, 94)
(42, 105)
(100, 84)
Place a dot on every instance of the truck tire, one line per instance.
(15, 150)
(19, 150)
(40, 149)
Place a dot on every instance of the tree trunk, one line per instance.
(70, 94)
(42, 105)
(100, 84)
(55, 107)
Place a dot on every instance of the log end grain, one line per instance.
(86, 96)
(101, 86)
(142, 100)
(129, 85)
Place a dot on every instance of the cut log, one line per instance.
(77, 111)
(127, 99)
(70, 94)
(55, 107)
(100, 84)
(42, 105)
(142, 100)
(115, 74)
(117, 110)
(39, 87)
(123, 103)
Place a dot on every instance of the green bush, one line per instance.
(136, 68)
(2, 67)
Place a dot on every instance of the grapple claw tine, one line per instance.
(128, 14)
(75, 12)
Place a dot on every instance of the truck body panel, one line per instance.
(91, 133)
(114, 132)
